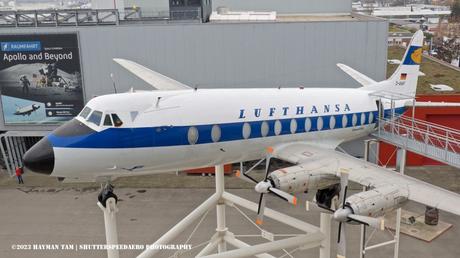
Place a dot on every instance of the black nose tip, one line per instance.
(40, 158)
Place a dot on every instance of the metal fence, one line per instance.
(435, 141)
(13, 145)
(88, 17)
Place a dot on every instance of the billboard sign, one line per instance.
(40, 78)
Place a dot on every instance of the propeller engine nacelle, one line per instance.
(298, 179)
(378, 201)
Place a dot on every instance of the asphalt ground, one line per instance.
(44, 211)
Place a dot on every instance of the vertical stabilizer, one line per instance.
(404, 79)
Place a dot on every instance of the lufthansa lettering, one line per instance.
(297, 110)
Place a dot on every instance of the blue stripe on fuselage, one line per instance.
(177, 135)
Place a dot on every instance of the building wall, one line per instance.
(218, 55)
(287, 6)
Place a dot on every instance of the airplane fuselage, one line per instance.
(175, 130)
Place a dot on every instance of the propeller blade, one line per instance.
(378, 223)
(283, 195)
(341, 241)
(260, 210)
(343, 187)
(267, 167)
(313, 206)
(245, 177)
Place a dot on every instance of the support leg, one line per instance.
(110, 221)
(367, 156)
(221, 225)
(209, 248)
(325, 227)
(402, 165)
(181, 226)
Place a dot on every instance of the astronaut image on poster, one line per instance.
(40, 78)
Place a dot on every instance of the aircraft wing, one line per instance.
(155, 79)
(367, 174)
(357, 76)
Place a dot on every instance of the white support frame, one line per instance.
(311, 237)
(110, 222)
(401, 160)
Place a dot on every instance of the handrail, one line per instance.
(437, 136)
(430, 123)
(77, 17)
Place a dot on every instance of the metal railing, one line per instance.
(13, 145)
(88, 17)
(434, 141)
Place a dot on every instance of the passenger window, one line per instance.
(85, 112)
(215, 133)
(95, 117)
(116, 120)
(107, 121)
(192, 135)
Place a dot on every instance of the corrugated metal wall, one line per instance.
(229, 54)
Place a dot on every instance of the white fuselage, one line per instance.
(175, 130)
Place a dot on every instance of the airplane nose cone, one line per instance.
(40, 158)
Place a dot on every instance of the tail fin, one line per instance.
(404, 79)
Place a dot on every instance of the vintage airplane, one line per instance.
(27, 110)
(178, 127)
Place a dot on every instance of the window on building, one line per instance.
(116, 120)
(95, 117)
(194, 2)
(177, 2)
(107, 121)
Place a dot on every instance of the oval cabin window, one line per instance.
(307, 124)
(293, 126)
(215, 133)
(332, 122)
(264, 129)
(344, 121)
(278, 127)
(319, 123)
(192, 135)
(246, 130)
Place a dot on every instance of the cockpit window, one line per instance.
(95, 117)
(107, 121)
(116, 120)
(85, 112)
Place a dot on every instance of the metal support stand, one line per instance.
(110, 222)
(221, 227)
(325, 226)
(401, 163)
(312, 236)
